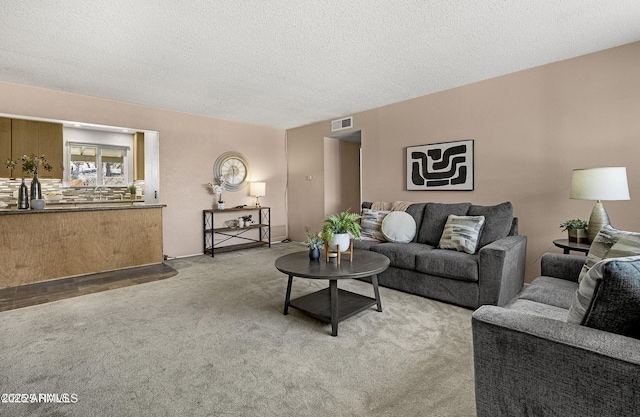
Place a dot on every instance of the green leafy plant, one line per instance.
(30, 163)
(314, 240)
(247, 218)
(343, 222)
(574, 224)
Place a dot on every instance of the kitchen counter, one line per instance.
(83, 206)
(63, 241)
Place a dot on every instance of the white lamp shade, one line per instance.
(257, 189)
(609, 183)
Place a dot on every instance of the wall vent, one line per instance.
(340, 124)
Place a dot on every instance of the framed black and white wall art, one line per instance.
(440, 166)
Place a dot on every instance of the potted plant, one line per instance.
(217, 189)
(247, 220)
(338, 229)
(314, 243)
(577, 230)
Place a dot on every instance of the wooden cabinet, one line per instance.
(221, 236)
(40, 138)
(5, 146)
(51, 146)
(138, 156)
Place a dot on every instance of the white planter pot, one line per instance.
(342, 239)
(220, 206)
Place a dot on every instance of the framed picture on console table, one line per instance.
(440, 166)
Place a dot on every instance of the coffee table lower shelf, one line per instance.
(318, 304)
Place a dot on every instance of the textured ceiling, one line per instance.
(290, 63)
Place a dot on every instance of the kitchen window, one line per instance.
(97, 165)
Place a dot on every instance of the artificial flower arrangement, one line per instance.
(218, 188)
(30, 163)
(314, 240)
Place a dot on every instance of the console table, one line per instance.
(216, 235)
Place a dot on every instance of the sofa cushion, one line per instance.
(609, 297)
(435, 217)
(497, 223)
(446, 263)
(401, 255)
(372, 224)
(365, 244)
(548, 290)
(539, 309)
(461, 233)
(399, 227)
(416, 210)
(583, 296)
(611, 243)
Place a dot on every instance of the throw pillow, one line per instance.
(372, 224)
(462, 233)
(609, 297)
(497, 221)
(399, 227)
(435, 217)
(583, 296)
(610, 243)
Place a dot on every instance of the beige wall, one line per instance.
(189, 145)
(530, 128)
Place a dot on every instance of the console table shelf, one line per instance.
(235, 234)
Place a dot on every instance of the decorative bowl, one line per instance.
(38, 204)
(53, 197)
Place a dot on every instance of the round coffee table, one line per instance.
(332, 305)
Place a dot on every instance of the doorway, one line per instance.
(342, 172)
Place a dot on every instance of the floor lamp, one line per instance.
(609, 183)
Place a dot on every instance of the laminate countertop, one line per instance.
(82, 206)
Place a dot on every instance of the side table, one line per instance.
(572, 246)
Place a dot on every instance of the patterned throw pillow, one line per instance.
(372, 224)
(583, 296)
(611, 243)
(462, 233)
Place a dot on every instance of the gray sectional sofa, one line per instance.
(494, 274)
(531, 359)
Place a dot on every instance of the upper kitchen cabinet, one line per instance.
(138, 156)
(5, 146)
(40, 138)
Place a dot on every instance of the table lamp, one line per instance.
(257, 189)
(608, 183)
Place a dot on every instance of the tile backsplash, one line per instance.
(70, 194)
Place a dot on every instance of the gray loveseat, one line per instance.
(492, 275)
(529, 361)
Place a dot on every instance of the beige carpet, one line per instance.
(212, 341)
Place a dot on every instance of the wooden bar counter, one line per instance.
(58, 242)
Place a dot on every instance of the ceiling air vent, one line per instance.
(340, 124)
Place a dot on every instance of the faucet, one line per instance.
(98, 189)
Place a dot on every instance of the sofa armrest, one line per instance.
(561, 266)
(527, 364)
(501, 270)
